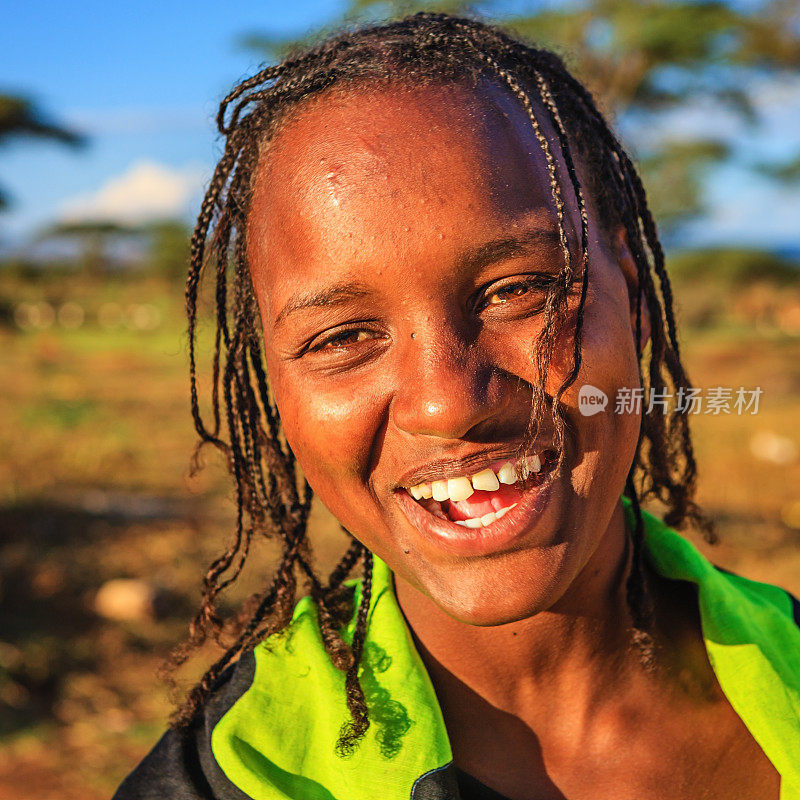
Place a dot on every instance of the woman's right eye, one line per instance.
(341, 340)
(354, 341)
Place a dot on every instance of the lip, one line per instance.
(500, 535)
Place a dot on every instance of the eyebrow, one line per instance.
(496, 250)
(337, 294)
(507, 247)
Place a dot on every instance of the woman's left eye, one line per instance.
(523, 290)
(506, 293)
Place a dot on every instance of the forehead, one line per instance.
(373, 172)
(378, 131)
(426, 135)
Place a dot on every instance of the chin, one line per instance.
(503, 593)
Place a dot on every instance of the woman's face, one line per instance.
(399, 242)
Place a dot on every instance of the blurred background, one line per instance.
(106, 141)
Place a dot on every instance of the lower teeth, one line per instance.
(485, 520)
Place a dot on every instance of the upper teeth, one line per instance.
(486, 480)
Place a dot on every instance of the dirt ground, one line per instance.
(100, 520)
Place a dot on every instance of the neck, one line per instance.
(571, 653)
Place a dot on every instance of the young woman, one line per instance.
(426, 241)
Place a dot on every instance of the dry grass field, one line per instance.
(95, 438)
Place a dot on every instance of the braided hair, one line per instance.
(272, 497)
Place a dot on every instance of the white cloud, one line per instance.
(146, 191)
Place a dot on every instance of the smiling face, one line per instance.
(401, 242)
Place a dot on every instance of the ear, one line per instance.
(627, 264)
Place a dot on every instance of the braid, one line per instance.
(556, 302)
(271, 500)
(357, 726)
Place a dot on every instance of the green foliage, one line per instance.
(734, 268)
(87, 228)
(782, 171)
(166, 243)
(276, 48)
(59, 413)
(95, 237)
(21, 118)
(675, 174)
(169, 248)
(639, 56)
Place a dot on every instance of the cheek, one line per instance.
(331, 430)
(609, 356)
(607, 439)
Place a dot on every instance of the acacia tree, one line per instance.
(95, 238)
(21, 118)
(162, 243)
(642, 58)
(168, 248)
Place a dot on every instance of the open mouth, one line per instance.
(482, 509)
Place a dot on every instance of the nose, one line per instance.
(447, 387)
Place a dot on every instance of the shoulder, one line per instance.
(267, 691)
(182, 766)
(768, 593)
(675, 557)
(170, 769)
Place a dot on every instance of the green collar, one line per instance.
(752, 640)
(278, 739)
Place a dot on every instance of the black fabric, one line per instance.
(471, 788)
(795, 609)
(170, 770)
(438, 784)
(181, 766)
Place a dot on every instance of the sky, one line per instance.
(142, 80)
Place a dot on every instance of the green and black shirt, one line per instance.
(271, 725)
